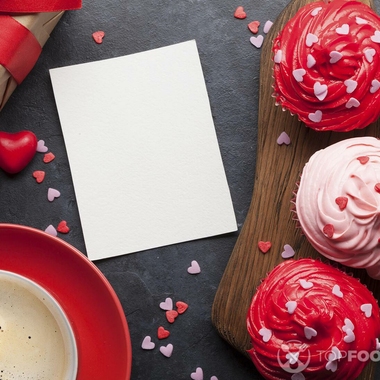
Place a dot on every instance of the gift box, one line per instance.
(25, 27)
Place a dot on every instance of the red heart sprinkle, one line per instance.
(98, 36)
(171, 315)
(16, 150)
(162, 333)
(341, 202)
(239, 13)
(377, 187)
(181, 307)
(48, 157)
(39, 175)
(254, 26)
(63, 228)
(328, 230)
(363, 159)
(264, 246)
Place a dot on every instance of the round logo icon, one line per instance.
(293, 356)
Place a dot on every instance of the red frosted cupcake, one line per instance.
(327, 65)
(309, 320)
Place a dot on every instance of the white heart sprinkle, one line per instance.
(257, 41)
(360, 21)
(352, 102)
(51, 230)
(265, 333)
(316, 117)
(306, 284)
(297, 376)
(335, 354)
(335, 56)
(331, 366)
(267, 26)
(147, 343)
(315, 11)
(198, 374)
(320, 90)
(288, 252)
(369, 54)
(351, 85)
(311, 39)
(167, 350)
(52, 194)
(278, 56)
(298, 74)
(309, 332)
(167, 305)
(367, 309)
(213, 378)
(291, 306)
(348, 325)
(310, 61)
(194, 268)
(350, 336)
(336, 291)
(292, 357)
(375, 85)
(41, 147)
(343, 30)
(376, 37)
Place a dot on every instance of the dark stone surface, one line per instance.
(144, 279)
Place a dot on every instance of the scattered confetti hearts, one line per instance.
(167, 305)
(147, 343)
(291, 306)
(254, 26)
(240, 13)
(336, 291)
(41, 148)
(266, 334)
(369, 54)
(98, 36)
(335, 56)
(298, 74)
(52, 194)
(306, 284)
(194, 268)
(351, 85)
(63, 228)
(171, 315)
(320, 90)
(167, 350)
(48, 157)
(309, 332)
(311, 39)
(267, 26)
(198, 374)
(181, 307)
(352, 102)
(343, 30)
(288, 252)
(283, 139)
(257, 41)
(341, 202)
(264, 246)
(367, 309)
(328, 230)
(39, 175)
(51, 230)
(162, 333)
(16, 150)
(315, 117)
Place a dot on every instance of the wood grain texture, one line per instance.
(269, 217)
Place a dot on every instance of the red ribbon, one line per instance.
(35, 6)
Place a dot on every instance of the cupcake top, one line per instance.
(327, 65)
(310, 320)
(338, 203)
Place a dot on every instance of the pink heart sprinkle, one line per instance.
(367, 309)
(336, 291)
(352, 102)
(41, 146)
(311, 39)
(51, 230)
(194, 268)
(332, 366)
(309, 332)
(320, 90)
(167, 350)
(147, 343)
(316, 117)
(376, 37)
(310, 61)
(291, 306)
(278, 56)
(335, 56)
(213, 378)
(351, 85)
(350, 336)
(266, 334)
(343, 30)
(306, 284)
(348, 325)
(267, 26)
(315, 11)
(198, 374)
(167, 305)
(257, 41)
(288, 252)
(298, 376)
(369, 54)
(375, 85)
(360, 21)
(283, 139)
(52, 194)
(335, 354)
(298, 74)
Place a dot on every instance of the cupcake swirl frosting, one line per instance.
(338, 203)
(304, 319)
(327, 65)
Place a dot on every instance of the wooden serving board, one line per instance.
(269, 217)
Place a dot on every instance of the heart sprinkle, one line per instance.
(51, 230)
(63, 228)
(292, 357)
(375, 85)
(147, 343)
(352, 102)
(348, 325)
(171, 315)
(98, 36)
(268, 24)
(162, 333)
(320, 90)
(41, 148)
(288, 252)
(240, 13)
(254, 26)
(257, 41)
(167, 305)
(351, 85)
(181, 307)
(48, 157)
(363, 159)
(52, 194)
(283, 139)
(376, 37)
(266, 334)
(310, 61)
(360, 21)
(377, 187)
(350, 336)
(298, 74)
(343, 30)
(291, 306)
(328, 230)
(315, 117)
(341, 202)
(194, 268)
(336, 291)
(264, 246)
(306, 284)
(366, 308)
(297, 376)
(335, 56)
(167, 350)
(311, 39)
(315, 11)
(309, 332)
(198, 374)
(39, 175)
(278, 56)
(213, 378)
(369, 54)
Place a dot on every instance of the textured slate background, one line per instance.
(144, 279)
